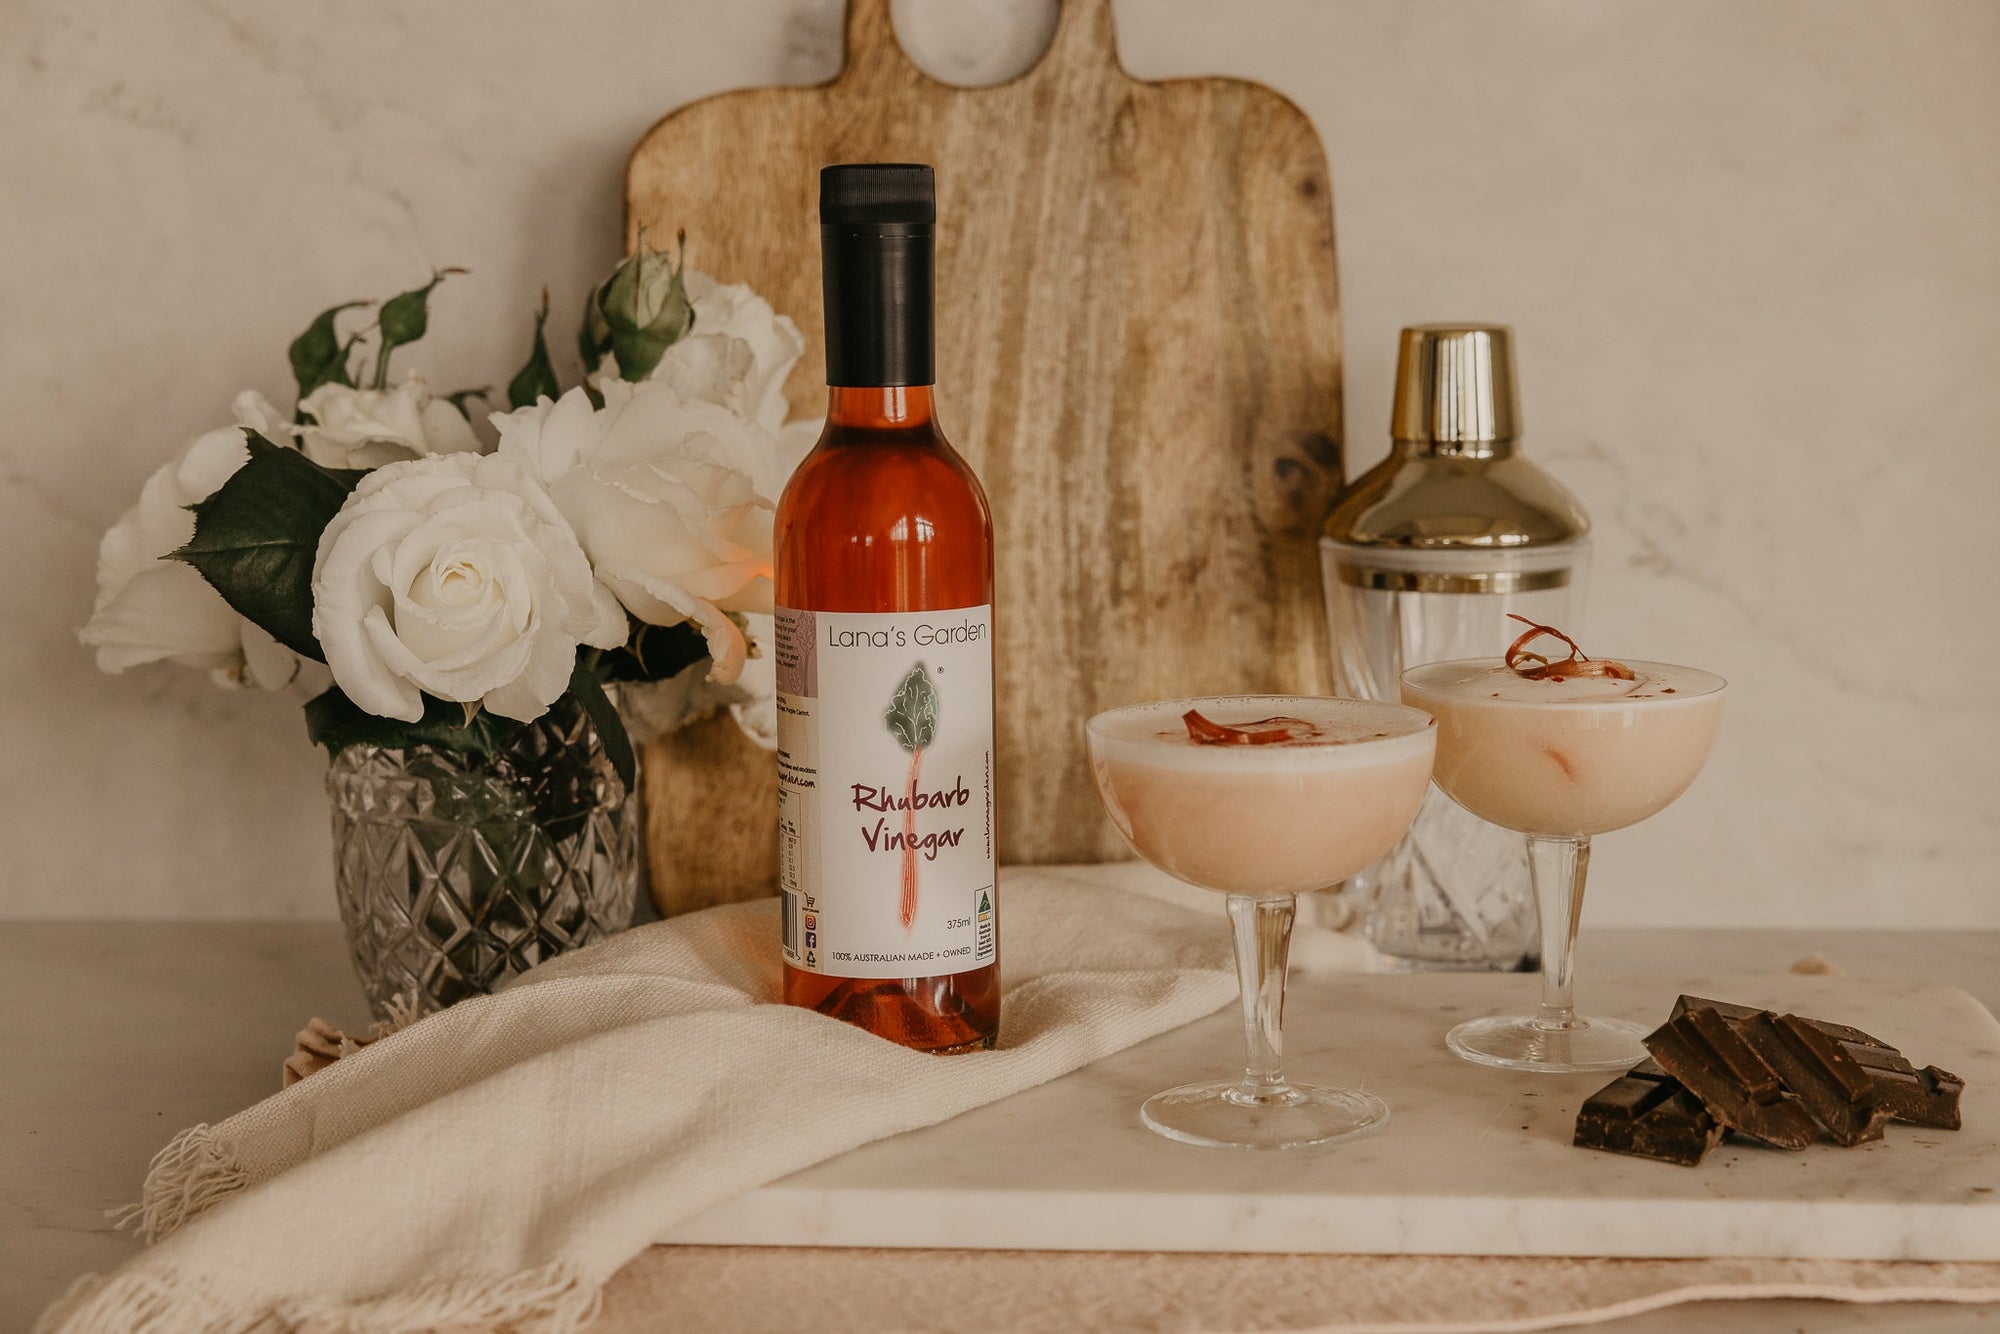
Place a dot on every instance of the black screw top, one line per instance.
(875, 225)
(877, 193)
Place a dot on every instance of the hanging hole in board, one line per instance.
(975, 43)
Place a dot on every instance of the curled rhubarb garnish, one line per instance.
(1578, 663)
(1263, 732)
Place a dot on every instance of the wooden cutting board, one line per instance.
(1138, 350)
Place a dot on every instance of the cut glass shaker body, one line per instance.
(1423, 558)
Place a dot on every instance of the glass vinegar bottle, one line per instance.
(884, 547)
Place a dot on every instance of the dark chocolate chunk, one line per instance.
(1705, 1052)
(1926, 1097)
(1831, 1084)
(1727, 1009)
(1648, 1114)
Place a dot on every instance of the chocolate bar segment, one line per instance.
(1926, 1097)
(1703, 1050)
(1830, 1084)
(1648, 1114)
(1729, 1010)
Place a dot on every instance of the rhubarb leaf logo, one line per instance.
(913, 713)
(912, 718)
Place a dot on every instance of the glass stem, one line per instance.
(1263, 946)
(1558, 867)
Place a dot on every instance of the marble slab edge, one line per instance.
(1277, 1224)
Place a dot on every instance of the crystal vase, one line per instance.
(455, 872)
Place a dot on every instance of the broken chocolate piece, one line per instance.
(1829, 1082)
(1647, 1113)
(1926, 1097)
(1727, 1009)
(1705, 1052)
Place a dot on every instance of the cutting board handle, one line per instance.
(1086, 34)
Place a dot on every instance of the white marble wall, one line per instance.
(1750, 251)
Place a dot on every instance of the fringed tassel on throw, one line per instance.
(136, 1302)
(403, 1009)
(555, 1299)
(195, 1172)
(199, 1168)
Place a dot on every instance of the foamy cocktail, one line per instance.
(1262, 797)
(1562, 749)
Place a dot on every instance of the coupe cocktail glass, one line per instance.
(1307, 792)
(1562, 759)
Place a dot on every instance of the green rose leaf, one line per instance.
(318, 356)
(405, 319)
(256, 537)
(589, 692)
(654, 653)
(537, 379)
(337, 722)
(913, 713)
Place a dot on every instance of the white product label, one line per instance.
(885, 791)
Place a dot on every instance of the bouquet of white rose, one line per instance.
(431, 595)
(448, 590)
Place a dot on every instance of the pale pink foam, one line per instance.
(1266, 819)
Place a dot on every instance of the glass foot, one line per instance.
(1227, 1114)
(1520, 1043)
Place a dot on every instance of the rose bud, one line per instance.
(641, 310)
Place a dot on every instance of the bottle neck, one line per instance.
(877, 284)
(892, 407)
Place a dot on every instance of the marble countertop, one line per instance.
(1472, 1162)
(120, 1034)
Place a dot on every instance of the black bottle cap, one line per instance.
(877, 193)
(876, 267)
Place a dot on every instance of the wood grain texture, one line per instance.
(1138, 350)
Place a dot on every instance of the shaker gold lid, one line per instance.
(1444, 501)
(1453, 480)
(1455, 387)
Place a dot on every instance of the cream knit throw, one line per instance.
(496, 1163)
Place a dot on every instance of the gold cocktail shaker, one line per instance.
(1423, 558)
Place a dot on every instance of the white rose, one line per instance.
(736, 356)
(672, 497)
(366, 428)
(455, 576)
(151, 609)
(655, 708)
(739, 335)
